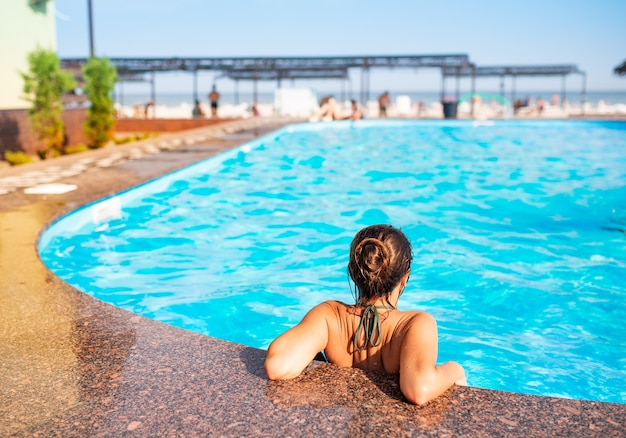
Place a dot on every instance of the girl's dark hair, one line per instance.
(380, 255)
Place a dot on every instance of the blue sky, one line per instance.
(588, 33)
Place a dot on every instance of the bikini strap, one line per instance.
(370, 324)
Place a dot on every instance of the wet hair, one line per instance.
(380, 255)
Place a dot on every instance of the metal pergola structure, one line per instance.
(278, 75)
(514, 71)
(328, 67)
(277, 68)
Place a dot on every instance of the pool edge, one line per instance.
(78, 366)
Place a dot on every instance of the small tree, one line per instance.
(44, 85)
(100, 76)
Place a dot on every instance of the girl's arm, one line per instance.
(421, 380)
(292, 351)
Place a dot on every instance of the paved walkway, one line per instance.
(50, 171)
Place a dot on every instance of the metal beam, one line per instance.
(514, 70)
(145, 65)
(266, 75)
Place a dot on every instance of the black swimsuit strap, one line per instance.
(370, 324)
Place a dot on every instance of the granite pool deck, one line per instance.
(73, 366)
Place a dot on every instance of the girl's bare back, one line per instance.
(371, 334)
(342, 321)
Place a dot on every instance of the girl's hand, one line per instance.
(462, 381)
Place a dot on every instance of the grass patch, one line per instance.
(77, 149)
(130, 138)
(15, 158)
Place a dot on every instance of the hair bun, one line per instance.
(379, 256)
(372, 256)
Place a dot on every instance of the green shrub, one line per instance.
(100, 76)
(15, 158)
(44, 84)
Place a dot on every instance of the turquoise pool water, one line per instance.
(517, 229)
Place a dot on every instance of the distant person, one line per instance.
(138, 111)
(383, 103)
(541, 104)
(528, 102)
(328, 110)
(356, 113)
(214, 98)
(371, 334)
(197, 111)
(420, 108)
(147, 108)
(255, 110)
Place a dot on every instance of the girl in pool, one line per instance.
(372, 334)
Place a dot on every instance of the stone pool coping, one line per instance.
(75, 366)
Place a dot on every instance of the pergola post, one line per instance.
(457, 94)
(364, 84)
(513, 90)
(255, 94)
(473, 89)
(279, 105)
(349, 86)
(443, 84)
(367, 86)
(153, 93)
(583, 94)
(120, 92)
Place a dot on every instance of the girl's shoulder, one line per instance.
(335, 306)
(412, 320)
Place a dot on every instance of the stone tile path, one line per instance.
(114, 155)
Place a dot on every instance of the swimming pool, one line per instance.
(517, 229)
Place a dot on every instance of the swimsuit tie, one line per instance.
(370, 323)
